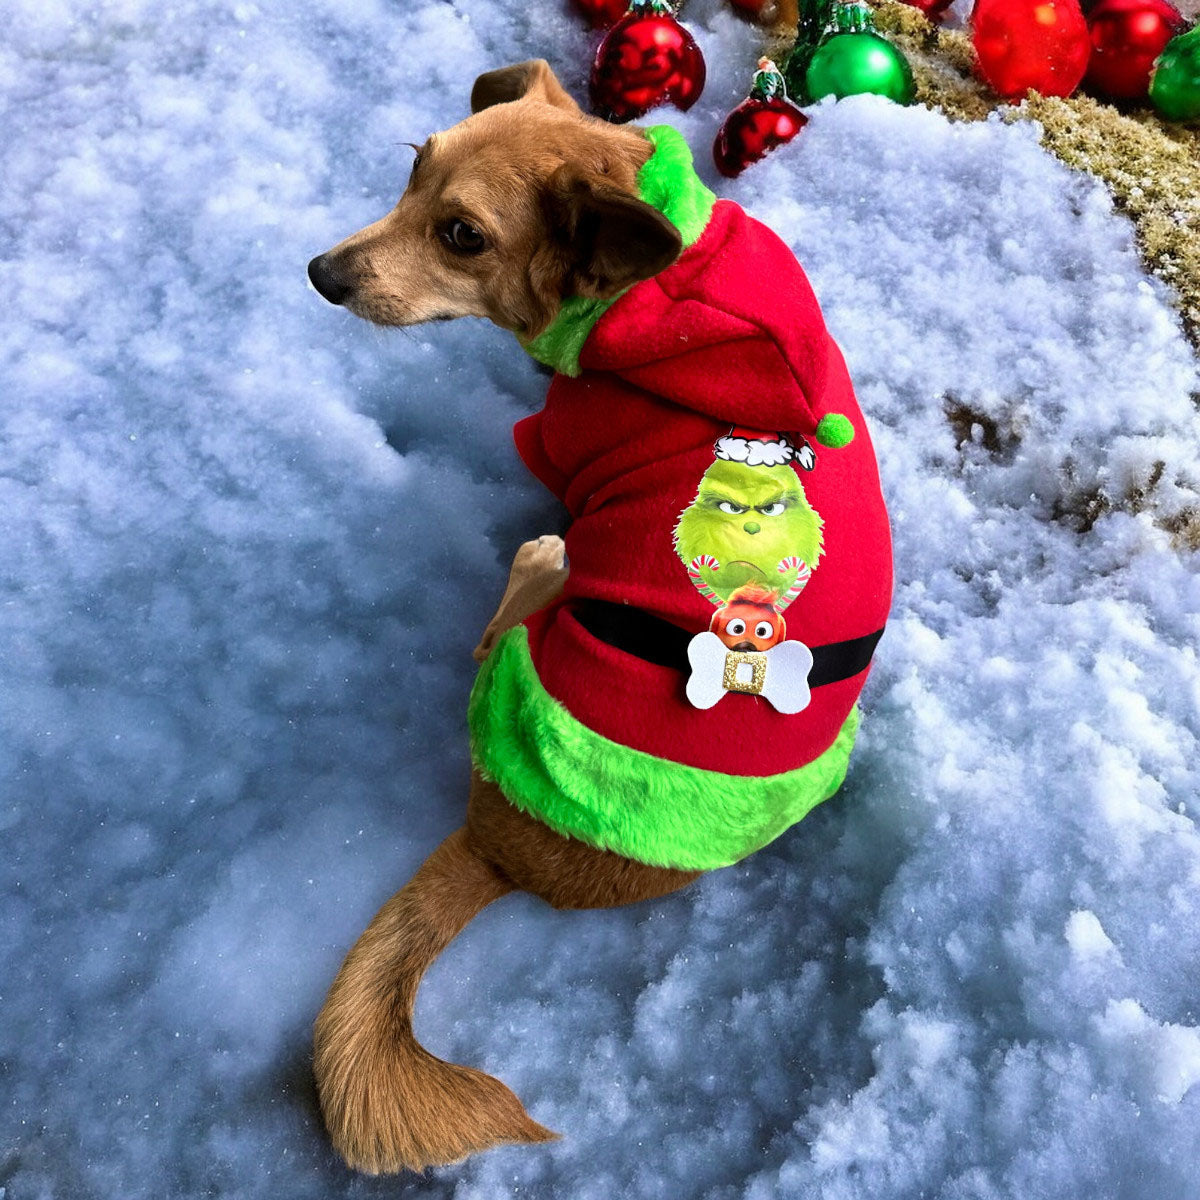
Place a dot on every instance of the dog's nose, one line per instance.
(328, 279)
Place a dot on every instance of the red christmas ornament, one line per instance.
(603, 13)
(764, 120)
(646, 58)
(1041, 45)
(933, 10)
(1127, 36)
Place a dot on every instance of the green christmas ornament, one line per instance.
(855, 60)
(814, 26)
(1175, 80)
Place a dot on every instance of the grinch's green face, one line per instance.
(750, 519)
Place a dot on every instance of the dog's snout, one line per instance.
(329, 277)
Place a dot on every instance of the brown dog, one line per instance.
(622, 745)
(506, 214)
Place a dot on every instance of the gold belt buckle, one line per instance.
(745, 671)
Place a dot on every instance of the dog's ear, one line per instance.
(532, 80)
(612, 239)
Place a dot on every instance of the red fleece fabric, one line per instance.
(730, 335)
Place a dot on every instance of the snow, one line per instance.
(248, 543)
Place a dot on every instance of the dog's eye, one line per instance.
(763, 629)
(736, 627)
(463, 238)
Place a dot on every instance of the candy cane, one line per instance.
(704, 560)
(803, 575)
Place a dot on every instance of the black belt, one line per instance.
(644, 635)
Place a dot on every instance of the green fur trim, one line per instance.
(650, 809)
(561, 344)
(668, 182)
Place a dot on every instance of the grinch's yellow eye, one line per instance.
(774, 509)
(728, 506)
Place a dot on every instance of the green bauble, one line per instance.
(1175, 82)
(849, 64)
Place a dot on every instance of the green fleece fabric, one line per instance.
(668, 182)
(585, 786)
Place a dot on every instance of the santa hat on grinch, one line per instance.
(758, 449)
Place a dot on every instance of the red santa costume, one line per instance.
(581, 715)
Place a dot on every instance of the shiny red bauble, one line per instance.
(764, 120)
(646, 59)
(603, 13)
(752, 130)
(933, 10)
(1041, 45)
(1127, 36)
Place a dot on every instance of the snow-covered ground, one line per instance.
(246, 544)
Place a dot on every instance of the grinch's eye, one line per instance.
(773, 509)
(736, 627)
(763, 629)
(728, 506)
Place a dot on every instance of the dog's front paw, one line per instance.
(546, 553)
(538, 574)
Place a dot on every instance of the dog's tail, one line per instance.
(388, 1103)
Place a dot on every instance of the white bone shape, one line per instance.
(785, 684)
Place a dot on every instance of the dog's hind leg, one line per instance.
(388, 1103)
(563, 871)
(537, 577)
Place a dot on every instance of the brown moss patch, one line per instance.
(1153, 172)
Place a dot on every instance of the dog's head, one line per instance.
(506, 214)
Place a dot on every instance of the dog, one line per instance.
(702, 431)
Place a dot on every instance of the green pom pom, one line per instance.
(835, 431)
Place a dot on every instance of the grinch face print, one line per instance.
(750, 521)
(749, 541)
